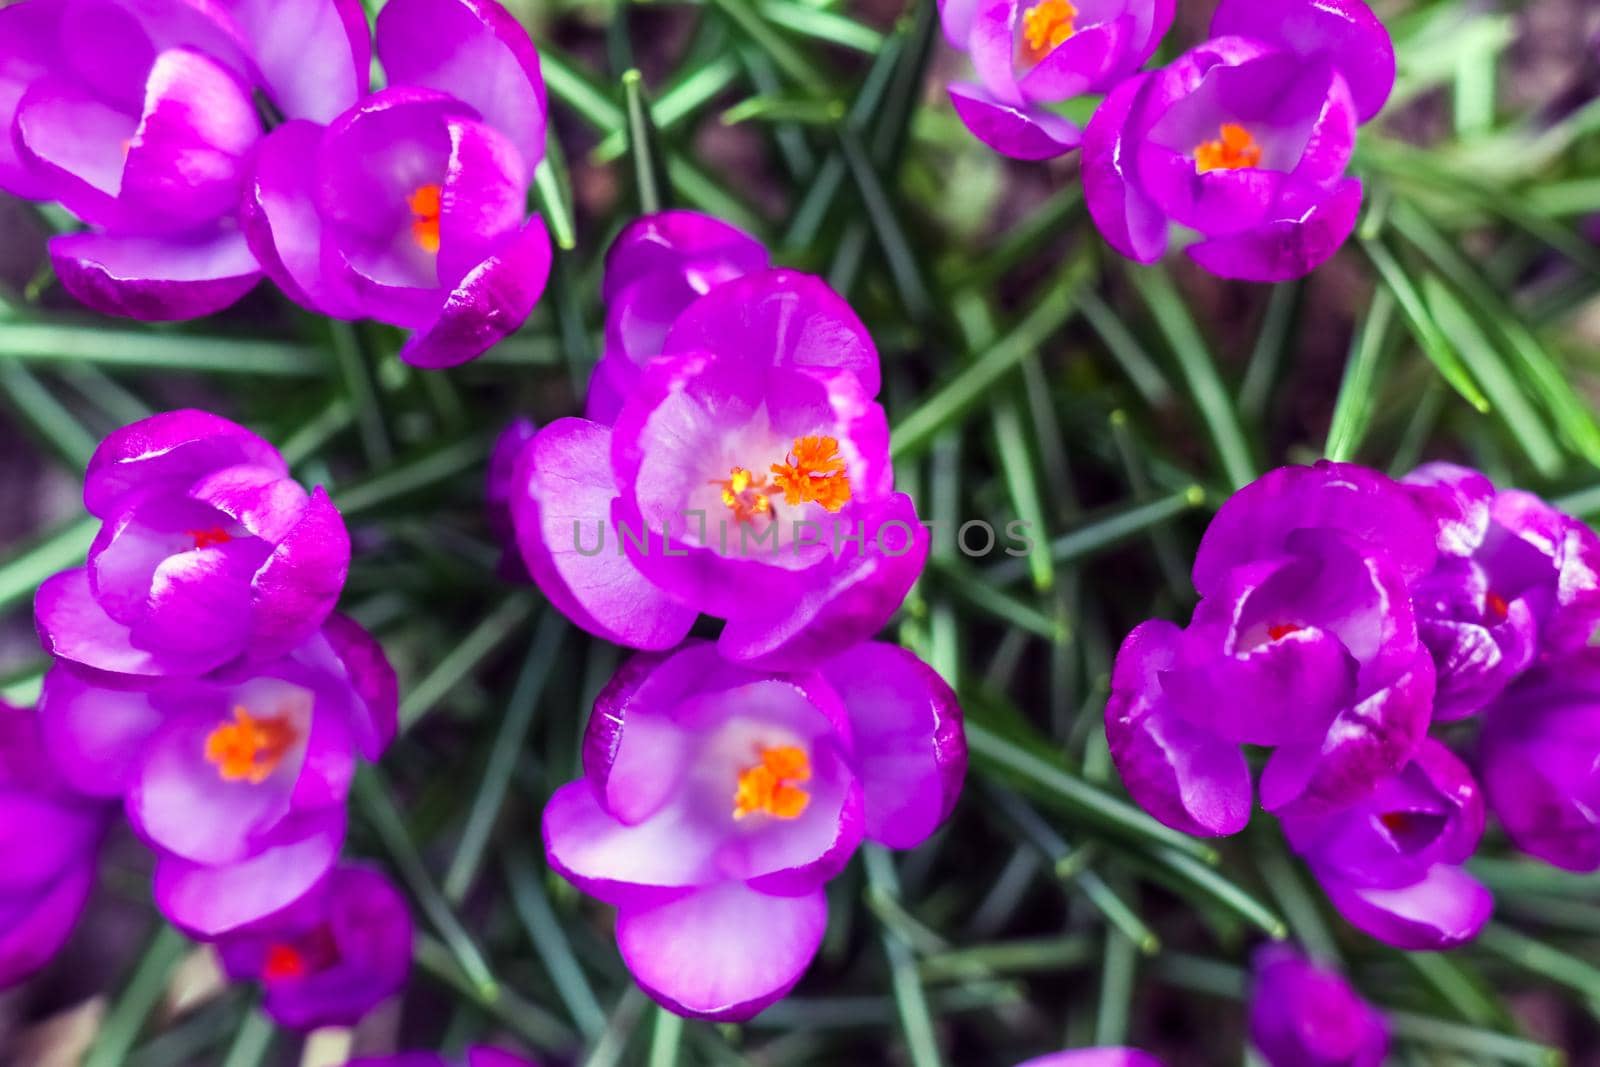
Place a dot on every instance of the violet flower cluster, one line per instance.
(1243, 141)
(734, 462)
(202, 680)
(407, 205)
(1342, 613)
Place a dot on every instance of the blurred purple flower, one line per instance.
(498, 487)
(238, 780)
(330, 957)
(138, 117)
(49, 844)
(411, 207)
(1303, 642)
(209, 551)
(478, 1056)
(1539, 757)
(746, 474)
(1391, 862)
(718, 802)
(1244, 139)
(1095, 1057)
(1029, 54)
(1516, 580)
(1302, 1015)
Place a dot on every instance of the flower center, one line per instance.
(311, 954)
(210, 537)
(768, 786)
(1278, 631)
(1234, 150)
(249, 749)
(424, 205)
(812, 473)
(1046, 25)
(1495, 608)
(283, 962)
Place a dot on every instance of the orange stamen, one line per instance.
(1283, 629)
(745, 494)
(767, 787)
(425, 205)
(210, 537)
(814, 473)
(1235, 150)
(283, 962)
(1045, 26)
(249, 749)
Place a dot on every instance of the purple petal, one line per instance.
(33, 929)
(1306, 233)
(28, 35)
(95, 735)
(491, 302)
(1095, 1057)
(1127, 218)
(1015, 130)
(300, 582)
(1084, 62)
(1458, 500)
(1447, 908)
(693, 953)
(612, 861)
(72, 140)
(1302, 1015)
(73, 626)
(374, 680)
(1344, 30)
(705, 251)
(156, 279)
(314, 55)
(172, 450)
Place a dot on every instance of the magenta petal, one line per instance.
(1344, 30)
(1015, 130)
(561, 506)
(68, 137)
(32, 930)
(1095, 1057)
(206, 902)
(301, 581)
(28, 35)
(912, 753)
(1127, 218)
(1082, 63)
(704, 250)
(492, 301)
(1186, 777)
(172, 450)
(1284, 248)
(611, 861)
(156, 279)
(694, 953)
(73, 626)
(1447, 908)
(374, 680)
(475, 51)
(315, 55)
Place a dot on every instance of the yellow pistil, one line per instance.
(1045, 26)
(249, 749)
(767, 788)
(425, 205)
(1234, 150)
(745, 494)
(814, 473)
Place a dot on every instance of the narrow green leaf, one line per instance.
(764, 36)
(51, 342)
(1432, 340)
(784, 109)
(666, 1039)
(1352, 411)
(921, 1042)
(642, 143)
(252, 1043)
(550, 942)
(827, 26)
(60, 550)
(1106, 531)
(137, 1000)
(36, 404)
(680, 101)
(497, 627)
(1472, 1041)
(579, 91)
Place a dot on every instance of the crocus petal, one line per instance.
(1345, 30)
(1289, 247)
(912, 751)
(1095, 1057)
(724, 952)
(96, 736)
(314, 55)
(1019, 131)
(1186, 777)
(156, 279)
(72, 140)
(374, 680)
(73, 626)
(28, 35)
(1126, 217)
(492, 301)
(613, 861)
(703, 249)
(561, 507)
(1445, 909)
(1303, 1015)
(475, 51)
(1458, 500)
(34, 929)
(300, 582)
(171, 450)
(1082, 63)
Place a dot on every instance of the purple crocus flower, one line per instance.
(411, 207)
(331, 956)
(49, 844)
(1029, 54)
(1244, 140)
(238, 780)
(1516, 579)
(138, 117)
(1303, 642)
(1095, 1057)
(659, 265)
(209, 551)
(1303, 1015)
(1391, 862)
(746, 475)
(498, 487)
(1539, 757)
(478, 1056)
(718, 802)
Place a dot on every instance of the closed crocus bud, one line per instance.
(1303, 642)
(1302, 1015)
(330, 957)
(1391, 862)
(1516, 580)
(49, 846)
(1095, 1057)
(209, 552)
(1243, 140)
(139, 118)
(718, 802)
(237, 781)
(411, 206)
(746, 476)
(1539, 756)
(1029, 54)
